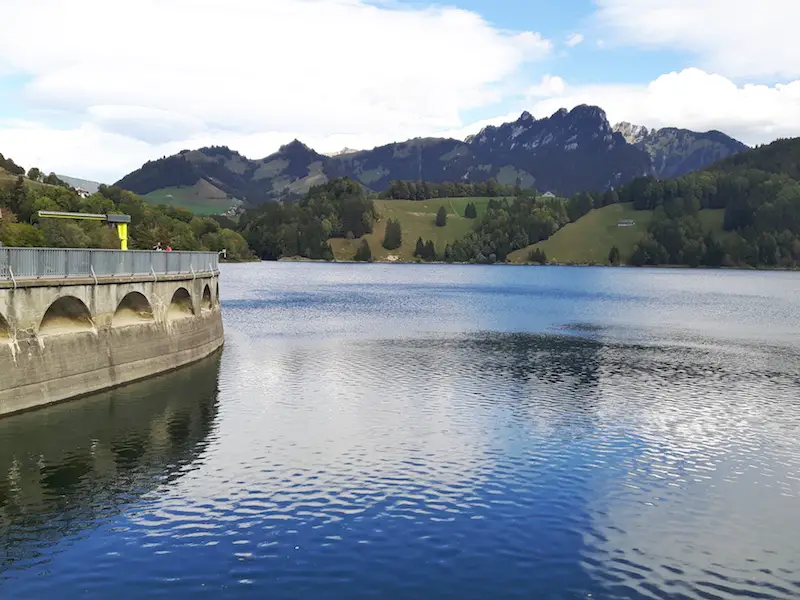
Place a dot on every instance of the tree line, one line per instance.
(761, 202)
(337, 209)
(425, 190)
(508, 226)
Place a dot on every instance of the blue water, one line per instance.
(399, 431)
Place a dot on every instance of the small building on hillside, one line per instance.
(626, 223)
(548, 195)
(82, 192)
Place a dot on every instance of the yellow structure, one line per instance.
(120, 222)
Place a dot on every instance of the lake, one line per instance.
(432, 431)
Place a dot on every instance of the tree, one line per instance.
(470, 212)
(34, 174)
(19, 194)
(448, 253)
(441, 217)
(420, 248)
(537, 256)
(53, 179)
(393, 237)
(613, 256)
(363, 253)
(430, 251)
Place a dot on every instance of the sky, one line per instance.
(94, 88)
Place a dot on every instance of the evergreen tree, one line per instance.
(470, 212)
(441, 217)
(613, 256)
(19, 194)
(430, 250)
(393, 238)
(363, 253)
(538, 256)
(420, 248)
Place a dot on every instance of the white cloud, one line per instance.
(692, 99)
(181, 70)
(738, 38)
(550, 85)
(574, 39)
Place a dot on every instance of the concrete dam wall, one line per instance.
(68, 335)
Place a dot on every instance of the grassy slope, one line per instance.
(591, 237)
(201, 198)
(417, 219)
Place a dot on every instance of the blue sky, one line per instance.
(254, 74)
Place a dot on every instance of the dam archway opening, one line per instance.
(66, 315)
(134, 309)
(206, 304)
(181, 307)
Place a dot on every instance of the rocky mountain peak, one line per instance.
(586, 111)
(633, 134)
(526, 116)
(343, 152)
(294, 146)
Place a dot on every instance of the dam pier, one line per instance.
(74, 322)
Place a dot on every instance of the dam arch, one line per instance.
(181, 305)
(206, 304)
(66, 315)
(133, 309)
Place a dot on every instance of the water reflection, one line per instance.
(70, 466)
(463, 433)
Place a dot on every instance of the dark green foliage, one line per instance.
(363, 253)
(225, 222)
(441, 217)
(303, 228)
(52, 179)
(579, 205)
(393, 237)
(149, 224)
(537, 256)
(470, 212)
(761, 200)
(425, 250)
(613, 256)
(18, 196)
(425, 190)
(419, 249)
(10, 166)
(34, 174)
(430, 251)
(506, 227)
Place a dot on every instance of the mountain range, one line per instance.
(569, 151)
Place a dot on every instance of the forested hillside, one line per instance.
(21, 198)
(339, 208)
(760, 194)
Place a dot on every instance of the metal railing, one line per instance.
(57, 263)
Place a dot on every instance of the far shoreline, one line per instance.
(513, 264)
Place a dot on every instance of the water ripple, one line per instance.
(432, 432)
